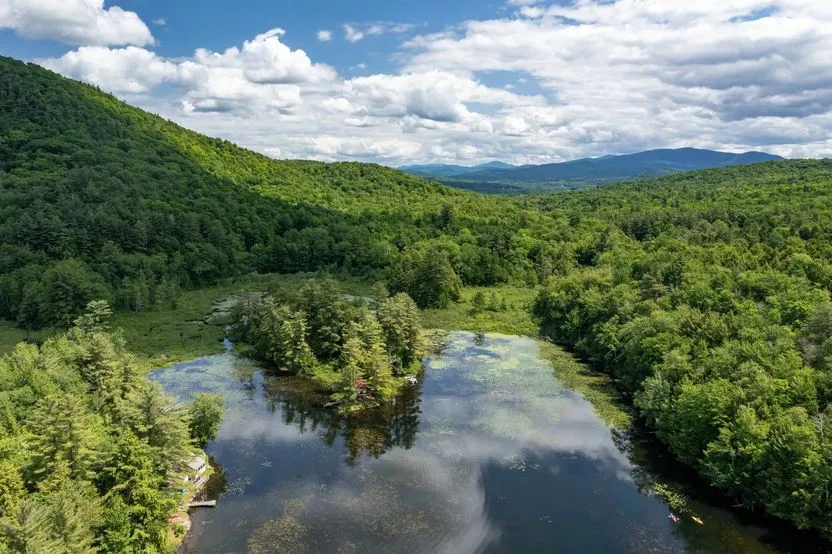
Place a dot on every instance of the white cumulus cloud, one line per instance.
(76, 22)
(433, 95)
(638, 74)
(266, 60)
(129, 70)
(591, 77)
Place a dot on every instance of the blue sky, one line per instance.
(462, 81)
(182, 26)
(213, 25)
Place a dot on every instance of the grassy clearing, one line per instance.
(10, 335)
(515, 319)
(167, 336)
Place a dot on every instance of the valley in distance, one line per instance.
(350, 357)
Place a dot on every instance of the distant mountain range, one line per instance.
(438, 170)
(502, 177)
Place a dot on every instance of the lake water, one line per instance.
(487, 453)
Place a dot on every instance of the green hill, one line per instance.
(705, 295)
(100, 199)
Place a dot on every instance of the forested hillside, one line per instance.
(707, 297)
(102, 200)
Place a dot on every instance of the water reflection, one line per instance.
(365, 434)
(487, 453)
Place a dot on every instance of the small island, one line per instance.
(359, 350)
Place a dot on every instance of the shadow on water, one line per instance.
(370, 433)
(486, 453)
(740, 529)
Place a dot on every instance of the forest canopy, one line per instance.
(100, 200)
(361, 354)
(91, 453)
(705, 295)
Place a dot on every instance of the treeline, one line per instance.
(91, 453)
(102, 200)
(360, 355)
(707, 297)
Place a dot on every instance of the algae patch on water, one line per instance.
(286, 534)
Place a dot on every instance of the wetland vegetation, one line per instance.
(703, 298)
(488, 452)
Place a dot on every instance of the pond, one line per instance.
(487, 453)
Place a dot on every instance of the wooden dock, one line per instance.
(203, 504)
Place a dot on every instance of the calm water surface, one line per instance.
(488, 453)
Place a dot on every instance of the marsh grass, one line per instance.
(167, 336)
(178, 334)
(597, 388)
(174, 334)
(515, 319)
(10, 335)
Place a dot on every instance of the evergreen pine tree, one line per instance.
(62, 430)
(350, 365)
(399, 318)
(129, 474)
(162, 423)
(96, 317)
(75, 515)
(373, 360)
(27, 530)
(117, 530)
(12, 490)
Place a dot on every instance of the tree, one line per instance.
(326, 317)
(206, 413)
(350, 365)
(399, 319)
(27, 530)
(162, 423)
(96, 317)
(12, 491)
(374, 362)
(478, 302)
(117, 529)
(133, 492)
(109, 372)
(447, 218)
(75, 515)
(65, 290)
(816, 337)
(61, 429)
(279, 335)
(426, 274)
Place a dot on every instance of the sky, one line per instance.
(453, 81)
